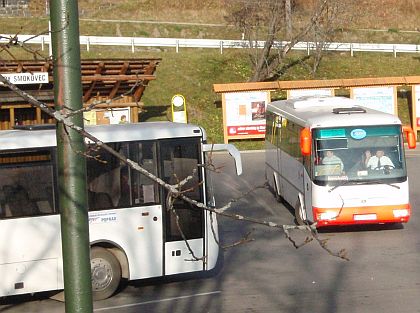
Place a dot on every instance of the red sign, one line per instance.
(246, 130)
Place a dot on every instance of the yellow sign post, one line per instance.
(179, 109)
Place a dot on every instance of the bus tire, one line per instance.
(106, 273)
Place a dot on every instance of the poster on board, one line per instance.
(244, 114)
(416, 91)
(105, 116)
(377, 98)
(297, 93)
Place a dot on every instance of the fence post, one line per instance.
(394, 48)
(87, 44)
(308, 50)
(177, 46)
(42, 43)
(351, 49)
(49, 38)
(132, 45)
(221, 46)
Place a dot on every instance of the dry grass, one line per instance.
(378, 14)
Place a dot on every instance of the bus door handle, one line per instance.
(147, 214)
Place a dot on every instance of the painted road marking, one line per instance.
(157, 301)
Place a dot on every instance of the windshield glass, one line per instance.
(358, 154)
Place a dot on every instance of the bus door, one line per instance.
(273, 152)
(179, 160)
(125, 205)
(306, 212)
(277, 142)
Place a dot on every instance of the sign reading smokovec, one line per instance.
(244, 114)
(377, 98)
(27, 78)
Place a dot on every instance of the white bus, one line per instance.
(322, 159)
(132, 234)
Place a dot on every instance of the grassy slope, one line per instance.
(192, 72)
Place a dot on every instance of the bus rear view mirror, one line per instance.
(411, 138)
(305, 141)
(232, 151)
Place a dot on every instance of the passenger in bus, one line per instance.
(18, 201)
(331, 158)
(362, 164)
(379, 161)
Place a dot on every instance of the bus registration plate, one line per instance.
(364, 217)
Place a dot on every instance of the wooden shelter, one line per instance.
(242, 95)
(124, 81)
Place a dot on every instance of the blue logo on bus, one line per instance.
(358, 133)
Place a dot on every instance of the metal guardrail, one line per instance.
(178, 43)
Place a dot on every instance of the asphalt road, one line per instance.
(270, 275)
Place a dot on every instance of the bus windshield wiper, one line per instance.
(342, 184)
(371, 182)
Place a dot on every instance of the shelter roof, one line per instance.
(105, 78)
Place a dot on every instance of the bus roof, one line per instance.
(317, 112)
(21, 139)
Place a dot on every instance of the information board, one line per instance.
(416, 98)
(104, 116)
(378, 98)
(244, 114)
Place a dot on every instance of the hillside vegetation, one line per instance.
(377, 14)
(192, 72)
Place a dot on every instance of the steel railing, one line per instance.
(178, 43)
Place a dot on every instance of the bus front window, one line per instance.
(355, 154)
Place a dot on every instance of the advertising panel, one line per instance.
(105, 116)
(416, 98)
(244, 114)
(377, 98)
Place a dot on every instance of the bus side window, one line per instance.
(179, 161)
(104, 180)
(144, 189)
(26, 184)
(17, 202)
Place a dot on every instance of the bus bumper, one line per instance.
(362, 215)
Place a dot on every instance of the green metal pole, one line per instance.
(70, 153)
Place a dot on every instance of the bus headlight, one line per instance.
(329, 215)
(400, 212)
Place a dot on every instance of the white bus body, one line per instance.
(132, 234)
(299, 133)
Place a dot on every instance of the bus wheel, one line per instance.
(106, 273)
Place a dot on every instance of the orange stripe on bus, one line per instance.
(346, 215)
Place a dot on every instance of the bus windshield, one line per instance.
(358, 154)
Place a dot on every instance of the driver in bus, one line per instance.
(331, 158)
(379, 161)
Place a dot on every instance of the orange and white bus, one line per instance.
(336, 162)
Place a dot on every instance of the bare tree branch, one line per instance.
(273, 20)
(174, 190)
